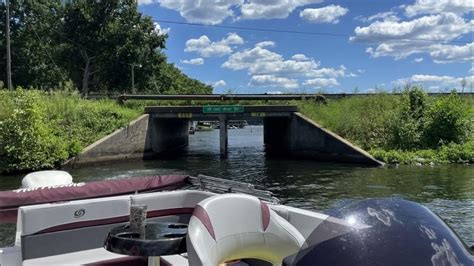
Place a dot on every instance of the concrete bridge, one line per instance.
(164, 129)
(170, 125)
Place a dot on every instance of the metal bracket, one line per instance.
(220, 185)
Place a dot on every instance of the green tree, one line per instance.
(104, 39)
(34, 43)
(92, 43)
(173, 81)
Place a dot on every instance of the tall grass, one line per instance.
(411, 128)
(363, 120)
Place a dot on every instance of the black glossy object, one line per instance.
(160, 239)
(400, 232)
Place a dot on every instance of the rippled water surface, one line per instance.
(446, 190)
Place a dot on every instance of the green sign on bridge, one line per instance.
(216, 109)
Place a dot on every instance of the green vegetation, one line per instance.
(40, 129)
(408, 129)
(65, 50)
(93, 44)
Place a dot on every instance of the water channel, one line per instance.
(446, 190)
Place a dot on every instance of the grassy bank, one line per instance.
(406, 129)
(40, 130)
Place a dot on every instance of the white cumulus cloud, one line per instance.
(321, 82)
(440, 27)
(387, 15)
(273, 81)
(270, 9)
(194, 61)
(418, 60)
(268, 68)
(328, 14)
(265, 44)
(452, 53)
(439, 6)
(206, 48)
(436, 83)
(400, 39)
(147, 2)
(300, 57)
(205, 12)
(215, 12)
(161, 31)
(219, 83)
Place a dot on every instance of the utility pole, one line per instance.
(133, 79)
(9, 59)
(133, 76)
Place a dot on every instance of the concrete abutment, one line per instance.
(310, 140)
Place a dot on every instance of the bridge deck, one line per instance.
(198, 112)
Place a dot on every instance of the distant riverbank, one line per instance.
(41, 129)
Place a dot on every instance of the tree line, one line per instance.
(93, 44)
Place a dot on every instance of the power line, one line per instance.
(288, 31)
(252, 29)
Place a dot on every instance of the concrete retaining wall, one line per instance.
(310, 140)
(131, 141)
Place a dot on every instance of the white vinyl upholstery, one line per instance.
(75, 258)
(98, 256)
(35, 218)
(170, 200)
(236, 226)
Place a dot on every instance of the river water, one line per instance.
(446, 190)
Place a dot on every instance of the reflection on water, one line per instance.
(447, 190)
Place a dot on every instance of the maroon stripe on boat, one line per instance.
(265, 215)
(201, 214)
(8, 215)
(124, 261)
(113, 220)
(166, 212)
(94, 189)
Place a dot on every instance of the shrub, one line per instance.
(40, 129)
(26, 139)
(457, 153)
(447, 121)
(449, 153)
(409, 122)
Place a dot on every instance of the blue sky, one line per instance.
(384, 44)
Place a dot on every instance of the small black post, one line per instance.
(223, 135)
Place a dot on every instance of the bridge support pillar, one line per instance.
(223, 139)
